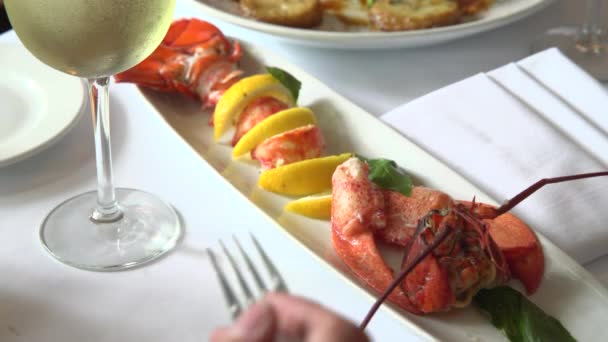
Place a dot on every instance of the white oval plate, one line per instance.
(582, 304)
(38, 105)
(503, 12)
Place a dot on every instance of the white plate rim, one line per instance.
(68, 107)
(380, 40)
(550, 249)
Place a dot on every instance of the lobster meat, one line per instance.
(197, 60)
(475, 245)
(254, 113)
(301, 143)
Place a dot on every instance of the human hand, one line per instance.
(285, 316)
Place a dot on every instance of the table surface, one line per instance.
(178, 298)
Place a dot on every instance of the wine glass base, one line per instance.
(589, 54)
(148, 229)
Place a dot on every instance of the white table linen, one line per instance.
(178, 298)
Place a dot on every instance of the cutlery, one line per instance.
(236, 306)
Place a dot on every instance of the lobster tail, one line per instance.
(194, 58)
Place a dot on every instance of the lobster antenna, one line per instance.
(438, 239)
(510, 204)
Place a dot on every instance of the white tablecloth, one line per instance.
(178, 298)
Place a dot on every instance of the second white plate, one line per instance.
(503, 12)
(38, 104)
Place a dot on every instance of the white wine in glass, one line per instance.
(586, 45)
(107, 229)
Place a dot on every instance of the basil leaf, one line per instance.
(290, 82)
(370, 3)
(519, 318)
(386, 174)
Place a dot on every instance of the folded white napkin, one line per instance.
(538, 118)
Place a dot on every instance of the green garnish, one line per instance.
(290, 82)
(370, 3)
(520, 319)
(386, 174)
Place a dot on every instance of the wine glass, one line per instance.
(107, 229)
(586, 45)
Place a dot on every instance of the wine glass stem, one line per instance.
(590, 35)
(593, 16)
(107, 209)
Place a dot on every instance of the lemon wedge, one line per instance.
(306, 177)
(239, 95)
(280, 122)
(318, 207)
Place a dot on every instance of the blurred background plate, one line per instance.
(38, 104)
(503, 12)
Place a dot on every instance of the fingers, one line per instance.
(257, 324)
(287, 316)
(301, 319)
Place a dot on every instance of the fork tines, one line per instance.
(234, 305)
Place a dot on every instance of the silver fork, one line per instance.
(234, 305)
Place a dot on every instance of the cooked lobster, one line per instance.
(194, 58)
(481, 246)
(197, 60)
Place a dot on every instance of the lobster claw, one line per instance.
(521, 249)
(357, 209)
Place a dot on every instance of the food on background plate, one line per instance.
(296, 13)
(350, 12)
(452, 248)
(474, 6)
(384, 15)
(390, 15)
